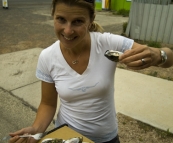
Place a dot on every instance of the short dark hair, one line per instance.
(88, 4)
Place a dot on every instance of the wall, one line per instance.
(151, 22)
(98, 4)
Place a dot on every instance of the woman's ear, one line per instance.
(93, 18)
(89, 26)
(91, 22)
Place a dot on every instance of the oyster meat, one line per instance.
(55, 140)
(113, 55)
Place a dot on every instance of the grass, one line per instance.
(125, 26)
(153, 73)
(154, 44)
(123, 12)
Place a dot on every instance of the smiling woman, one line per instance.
(75, 69)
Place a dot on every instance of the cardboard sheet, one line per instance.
(65, 133)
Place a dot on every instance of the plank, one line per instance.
(156, 22)
(169, 23)
(150, 22)
(129, 21)
(164, 17)
(133, 22)
(145, 22)
(171, 26)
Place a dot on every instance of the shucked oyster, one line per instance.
(74, 140)
(55, 140)
(52, 140)
(113, 55)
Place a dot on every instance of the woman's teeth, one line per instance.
(68, 38)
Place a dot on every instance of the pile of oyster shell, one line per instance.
(71, 140)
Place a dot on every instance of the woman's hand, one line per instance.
(140, 57)
(16, 139)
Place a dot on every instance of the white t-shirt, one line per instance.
(87, 100)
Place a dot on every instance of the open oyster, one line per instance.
(113, 55)
(55, 140)
(74, 140)
(52, 140)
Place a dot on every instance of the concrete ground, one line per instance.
(139, 96)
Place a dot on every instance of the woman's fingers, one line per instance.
(140, 63)
(13, 139)
(132, 52)
(31, 140)
(17, 139)
(137, 58)
(28, 130)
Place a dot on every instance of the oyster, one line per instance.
(74, 140)
(113, 55)
(52, 140)
(71, 140)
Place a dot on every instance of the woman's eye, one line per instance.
(78, 22)
(60, 19)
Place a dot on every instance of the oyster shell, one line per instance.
(113, 55)
(71, 140)
(74, 140)
(52, 140)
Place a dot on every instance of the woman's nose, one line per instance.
(68, 30)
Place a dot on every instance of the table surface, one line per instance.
(65, 133)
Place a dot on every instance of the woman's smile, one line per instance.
(69, 38)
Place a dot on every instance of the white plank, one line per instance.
(171, 36)
(136, 27)
(169, 23)
(156, 23)
(139, 20)
(171, 27)
(164, 17)
(130, 20)
(133, 23)
(145, 21)
(150, 22)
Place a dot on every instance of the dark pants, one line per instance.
(114, 140)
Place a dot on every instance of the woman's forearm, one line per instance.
(44, 117)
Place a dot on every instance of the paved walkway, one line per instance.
(142, 97)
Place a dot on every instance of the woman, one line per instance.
(75, 69)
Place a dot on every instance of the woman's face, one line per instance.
(71, 25)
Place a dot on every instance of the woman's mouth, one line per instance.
(69, 38)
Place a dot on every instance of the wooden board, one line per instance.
(65, 133)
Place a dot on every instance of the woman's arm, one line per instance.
(47, 107)
(44, 115)
(151, 57)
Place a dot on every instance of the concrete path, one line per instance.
(145, 98)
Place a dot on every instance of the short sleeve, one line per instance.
(42, 71)
(127, 43)
(115, 42)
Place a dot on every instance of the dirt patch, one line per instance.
(133, 131)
